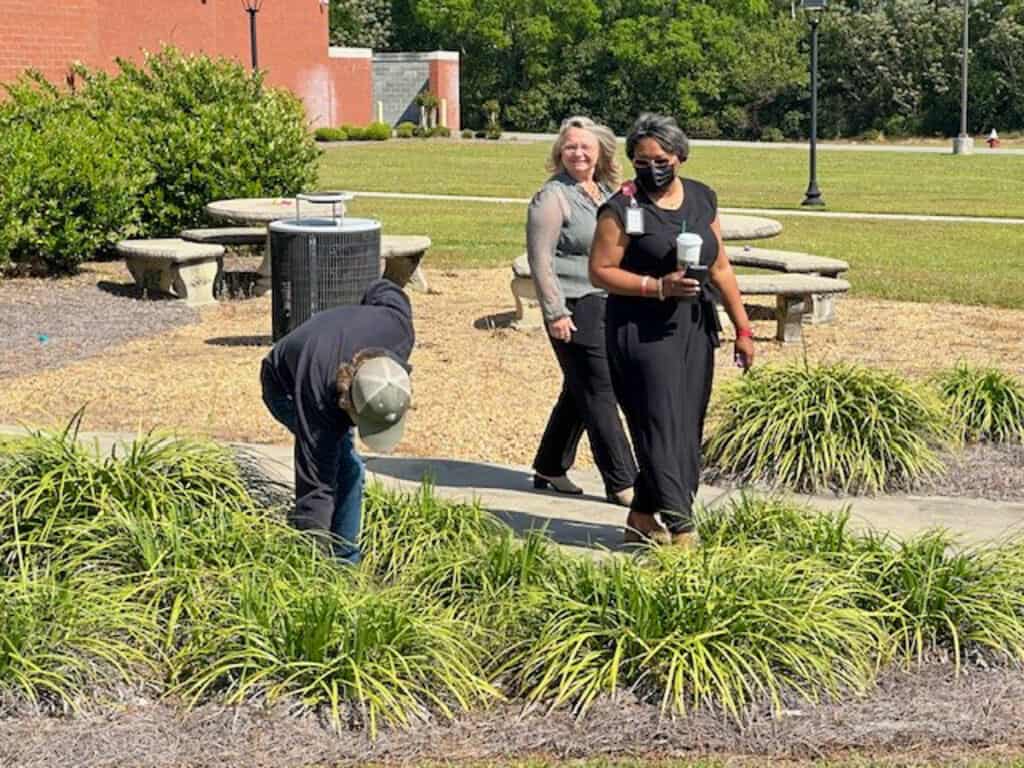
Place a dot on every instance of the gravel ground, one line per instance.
(920, 717)
(983, 471)
(51, 323)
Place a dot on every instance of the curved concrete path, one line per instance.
(588, 521)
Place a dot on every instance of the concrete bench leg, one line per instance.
(528, 313)
(264, 284)
(191, 281)
(194, 282)
(400, 269)
(823, 308)
(789, 317)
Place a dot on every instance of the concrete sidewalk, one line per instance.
(589, 521)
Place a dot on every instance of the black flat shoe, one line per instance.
(623, 498)
(559, 484)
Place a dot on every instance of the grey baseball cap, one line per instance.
(381, 392)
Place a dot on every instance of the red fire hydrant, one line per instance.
(993, 140)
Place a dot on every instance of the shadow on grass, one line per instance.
(491, 322)
(240, 341)
(133, 291)
(567, 533)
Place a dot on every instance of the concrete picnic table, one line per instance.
(400, 254)
(741, 227)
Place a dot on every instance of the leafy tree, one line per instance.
(361, 23)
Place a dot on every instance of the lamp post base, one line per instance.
(813, 197)
(963, 145)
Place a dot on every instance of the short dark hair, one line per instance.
(663, 129)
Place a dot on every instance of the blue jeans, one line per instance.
(348, 483)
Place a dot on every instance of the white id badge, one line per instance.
(634, 221)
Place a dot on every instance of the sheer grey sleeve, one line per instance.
(544, 220)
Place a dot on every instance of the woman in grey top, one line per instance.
(559, 229)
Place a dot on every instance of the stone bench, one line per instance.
(174, 266)
(400, 257)
(823, 305)
(227, 236)
(528, 312)
(793, 297)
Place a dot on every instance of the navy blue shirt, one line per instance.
(305, 364)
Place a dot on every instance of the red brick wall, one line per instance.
(444, 83)
(291, 37)
(351, 87)
(46, 35)
(292, 42)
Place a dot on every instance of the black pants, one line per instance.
(586, 401)
(662, 365)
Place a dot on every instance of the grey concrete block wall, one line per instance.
(397, 79)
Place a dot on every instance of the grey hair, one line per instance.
(664, 130)
(608, 171)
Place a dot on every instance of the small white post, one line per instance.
(444, 113)
(380, 111)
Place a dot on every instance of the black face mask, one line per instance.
(654, 178)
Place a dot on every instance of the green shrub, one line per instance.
(872, 134)
(493, 133)
(735, 122)
(817, 427)
(771, 133)
(983, 403)
(901, 126)
(467, 134)
(793, 123)
(704, 128)
(67, 192)
(440, 131)
(378, 132)
(330, 134)
(205, 129)
(140, 153)
(405, 130)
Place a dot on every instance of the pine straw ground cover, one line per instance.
(482, 391)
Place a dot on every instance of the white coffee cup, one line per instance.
(688, 245)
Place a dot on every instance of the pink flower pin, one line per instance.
(628, 189)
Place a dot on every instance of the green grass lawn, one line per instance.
(908, 261)
(881, 182)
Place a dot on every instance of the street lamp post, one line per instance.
(252, 7)
(963, 144)
(814, 7)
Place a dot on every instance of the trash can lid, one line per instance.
(325, 197)
(315, 225)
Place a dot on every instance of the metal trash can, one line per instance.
(319, 263)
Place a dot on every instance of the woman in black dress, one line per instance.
(661, 326)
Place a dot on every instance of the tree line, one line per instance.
(725, 68)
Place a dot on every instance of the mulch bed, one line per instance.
(52, 323)
(917, 717)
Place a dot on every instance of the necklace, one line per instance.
(592, 189)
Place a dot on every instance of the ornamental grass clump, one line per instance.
(357, 650)
(826, 427)
(62, 637)
(720, 627)
(400, 529)
(984, 404)
(783, 525)
(956, 600)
